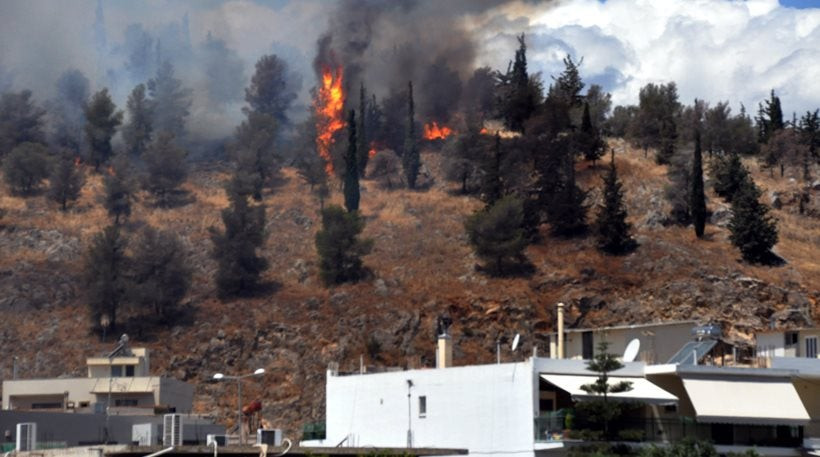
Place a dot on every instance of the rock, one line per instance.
(775, 199)
(220, 334)
(721, 217)
(815, 185)
(381, 287)
(339, 298)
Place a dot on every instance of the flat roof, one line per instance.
(712, 370)
(140, 451)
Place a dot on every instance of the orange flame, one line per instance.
(484, 131)
(374, 148)
(329, 106)
(434, 132)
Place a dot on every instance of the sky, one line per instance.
(717, 50)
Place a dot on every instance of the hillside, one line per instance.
(422, 267)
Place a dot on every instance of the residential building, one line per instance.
(801, 342)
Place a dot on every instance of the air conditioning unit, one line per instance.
(145, 434)
(220, 440)
(271, 437)
(26, 436)
(172, 430)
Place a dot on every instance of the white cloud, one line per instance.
(714, 50)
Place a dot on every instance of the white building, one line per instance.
(123, 376)
(788, 343)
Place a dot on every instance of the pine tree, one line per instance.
(363, 146)
(137, 132)
(239, 265)
(729, 173)
(698, 203)
(165, 163)
(170, 102)
(492, 189)
(26, 167)
(102, 121)
(410, 158)
(497, 235)
(769, 118)
(591, 141)
(21, 121)
(271, 91)
(339, 248)
(611, 227)
(104, 275)
(518, 103)
(753, 230)
(351, 182)
(810, 133)
(119, 189)
(160, 275)
(566, 212)
(66, 180)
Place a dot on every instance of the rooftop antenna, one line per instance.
(632, 350)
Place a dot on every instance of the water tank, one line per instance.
(708, 331)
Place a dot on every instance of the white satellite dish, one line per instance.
(515, 341)
(632, 350)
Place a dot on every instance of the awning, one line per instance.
(642, 390)
(743, 401)
(140, 385)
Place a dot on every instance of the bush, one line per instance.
(26, 167)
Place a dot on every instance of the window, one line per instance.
(47, 406)
(116, 371)
(790, 338)
(84, 404)
(129, 370)
(587, 349)
(125, 402)
(545, 404)
(811, 347)
(423, 406)
(670, 408)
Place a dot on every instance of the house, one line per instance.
(788, 343)
(527, 407)
(122, 376)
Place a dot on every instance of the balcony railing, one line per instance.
(555, 427)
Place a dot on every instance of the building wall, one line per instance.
(658, 342)
(801, 343)
(770, 344)
(177, 394)
(18, 394)
(483, 408)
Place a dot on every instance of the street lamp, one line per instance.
(222, 377)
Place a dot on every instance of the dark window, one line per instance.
(129, 370)
(587, 350)
(422, 406)
(670, 408)
(791, 338)
(125, 402)
(46, 406)
(116, 371)
(811, 347)
(545, 404)
(84, 404)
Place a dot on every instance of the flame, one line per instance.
(78, 161)
(434, 132)
(329, 107)
(374, 148)
(110, 171)
(484, 131)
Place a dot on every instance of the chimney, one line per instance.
(560, 330)
(444, 352)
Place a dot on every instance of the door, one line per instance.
(587, 349)
(811, 347)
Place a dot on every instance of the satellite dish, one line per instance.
(632, 350)
(515, 341)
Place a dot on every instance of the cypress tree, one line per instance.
(698, 203)
(351, 183)
(410, 159)
(492, 187)
(137, 132)
(593, 145)
(753, 230)
(363, 148)
(66, 181)
(566, 212)
(339, 248)
(611, 227)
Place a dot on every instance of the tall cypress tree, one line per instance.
(593, 145)
(362, 145)
(351, 183)
(492, 188)
(698, 203)
(410, 159)
(753, 230)
(611, 227)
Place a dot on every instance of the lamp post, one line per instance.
(238, 379)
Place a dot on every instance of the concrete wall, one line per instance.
(658, 342)
(770, 344)
(483, 408)
(177, 394)
(18, 394)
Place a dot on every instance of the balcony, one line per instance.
(555, 427)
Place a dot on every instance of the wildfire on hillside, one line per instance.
(77, 161)
(434, 132)
(329, 107)
(374, 148)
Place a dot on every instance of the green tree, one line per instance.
(254, 152)
(351, 181)
(516, 99)
(600, 104)
(363, 144)
(462, 158)
(602, 410)
(492, 187)
(679, 189)
(66, 110)
(170, 102)
(611, 228)
(810, 133)
(137, 131)
(102, 121)
(497, 235)
(339, 247)
(728, 174)
(239, 267)
(21, 121)
(26, 167)
(698, 203)
(271, 90)
(66, 180)
(410, 158)
(769, 118)
(592, 145)
(566, 212)
(104, 276)
(119, 189)
(160, 275)
(655, 125)
(167, 170)
(753, 229)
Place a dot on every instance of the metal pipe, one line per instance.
(239, 411)
(158, 453)
(560, 330)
